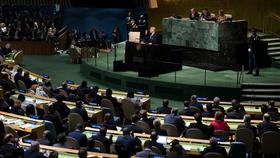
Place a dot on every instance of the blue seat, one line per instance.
(238, 150)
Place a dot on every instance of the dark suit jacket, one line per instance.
(62, 109)
(253, 128)
(235, 115)
(161, 132)
(217, 149)
(134, 128)
(186, 112)
(82, 91)
(194, 17)
(208, 114)
(107, 142)
(82, 112)
(199, 106)
(55, 120)
(154, 39)
(18, 111)
(11, 151)
(175, 120)
(149, 121)
(145, 153)
(17, 77)
(109, 125)
(80, 137)
(159, 146)
(219, 107)
(129, 143)
(33, 154)
(163, 110)
(44, 141)
(267, 126)
(204, 128)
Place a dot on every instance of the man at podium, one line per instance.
(153, 37)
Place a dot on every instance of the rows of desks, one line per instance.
(25, 124)
(192, 146)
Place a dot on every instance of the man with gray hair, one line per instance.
(247, 124)
(34, 151)
(175, 120)
(266, 125)
(216, 105)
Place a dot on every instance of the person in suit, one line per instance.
(61, 107)
(154, 137)
(6, 83)
(235, 103)
(147, 152)
(209, 112)
(133, 127)
(205, 15)
(187, 111)
(53, 117)
(27, 81)
(175, 120)
(272, 110)
(116, 35)
(253, 53)
(82, 153)
(10, 148)
(108, 95)
(78, 135)
(46, 139)
(6, 50)
(18, 76)
(144, 117)
(164, 109)
(247, 124)
(34, 151)
(235, 114)
(157, 128)
(193, 102)
(101, 136)
(194, 15)
(109, 122)
(219, 123)
(266, 125)
(221, 16)
(214, 148)
(199, 125)
(153, 36)
(61, 141)
(127, 144)
(177, 152)
(16, 109)
(216, 104)
(81, 111)
(82, 90)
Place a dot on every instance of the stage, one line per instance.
(176, 85)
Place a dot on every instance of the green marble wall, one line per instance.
(206, 35)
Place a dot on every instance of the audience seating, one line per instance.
(270, 144)
(246, 136)
(50, 126)
(73, 143)
(144, 126)
(237, 150)
(156, 150)
(195, 133)
(74, 119)
(213, 155)
(128, 109)
(108, 104)
(99, 146)
(224, 135)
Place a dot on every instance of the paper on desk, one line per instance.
(26, 125)
(162, 139)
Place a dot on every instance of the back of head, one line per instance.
(209, 107)
(82, 153)
(266, 117)
(35, 146)
(247, 118)
(174, 111)
(17, 104)
(271, 103)
(107, 117)
(84, 84)
(80, 127)
(219, 116)
(130, 94)
(21, 97)
(47, 134)
(143, 113)
(126, 131)
(103, 131)
(157, 123)
(19, 70)
(165, 102)
(216, 101)
(198, 117)
(186, 103)
(178, 149)
(134, 118)
(61, 138)
(79, 104)
(213, 141)
(109, 92)
(154, 136)
(148, 144)
(59, 98)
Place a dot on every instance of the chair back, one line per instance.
(108, 104)
(156, 150)
(128, 108)
(213, 155)
(18, 58)
(73, 143)
(270, 143)
(21, 86)
(9, 129)
(195, 133)
(238, 150)
(50, 126)
(195, 109)
(144, 126)
(223, 135)
(246, 136)
(170, 129)
(101, 147)
(47, 91)
(63, 93)
(113, 148)
(74, 119)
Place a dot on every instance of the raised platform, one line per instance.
(177, 85)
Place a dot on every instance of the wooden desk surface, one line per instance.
(193, 146)
(23, 123)
(233, 123)
(66, 153)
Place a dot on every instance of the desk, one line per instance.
(24, 124)
(69, 153)
(192, 146)
(233, 123)
(94, 112)
(145, 100)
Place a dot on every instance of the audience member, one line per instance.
(175, 120)
(10, 147)
(209, 111)
(235, 114)
(34, 151)
(216, 105)
(215, 148)
(194, 103)
(187, 111)
(147, 151)
(219, 123)
(53, 117)
(82, 153)
(109, 122)
(79, 136)
(247, 124)
(194, 15)
(154, 137)
(133, 127)
(266, 125)
(144, 117)
(61, 141)
(16, 109)
(61, 107)
(164, 109)
(46, 139)
(81, 111)
(101, 136)
(157, 128)
(199, 125)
